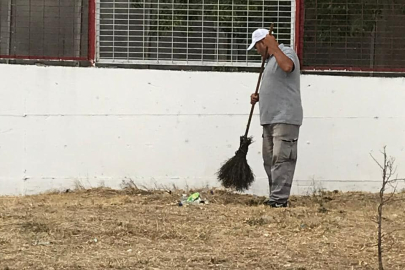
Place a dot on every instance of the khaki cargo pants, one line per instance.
(280, 157)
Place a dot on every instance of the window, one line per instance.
(188, 32)
(354, 35)
(44, 29)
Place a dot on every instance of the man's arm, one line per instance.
(285, 63)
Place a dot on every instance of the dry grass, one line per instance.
(134, 229)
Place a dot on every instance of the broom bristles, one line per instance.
(236, 172)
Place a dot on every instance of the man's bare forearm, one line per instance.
(285, 63)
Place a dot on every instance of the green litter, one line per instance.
(193, 197)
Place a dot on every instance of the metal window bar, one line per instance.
(39, 29)
(293, 26)
(188, 32)
(354, 35)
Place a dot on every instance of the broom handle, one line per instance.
(257, 86)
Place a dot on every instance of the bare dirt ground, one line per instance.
(135, 229)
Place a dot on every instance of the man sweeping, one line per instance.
(281, 113)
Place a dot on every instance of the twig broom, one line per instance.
(235, 172)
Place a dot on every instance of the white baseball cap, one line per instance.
(258, 35)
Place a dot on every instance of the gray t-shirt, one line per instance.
(280, 98)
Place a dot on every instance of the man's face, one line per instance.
(261, 48)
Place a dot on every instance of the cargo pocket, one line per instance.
(294, 150)
(287, 151)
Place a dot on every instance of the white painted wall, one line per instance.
(59, 125)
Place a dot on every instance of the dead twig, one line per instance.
(388, 170)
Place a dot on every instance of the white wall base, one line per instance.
(60, 125)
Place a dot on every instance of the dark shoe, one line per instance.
(276, 205)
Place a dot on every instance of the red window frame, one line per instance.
(299, 47)
(91, 43)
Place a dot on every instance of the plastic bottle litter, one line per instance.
(193, 197)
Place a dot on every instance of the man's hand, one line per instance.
(285, 63)
(254, 98)
(272, 44)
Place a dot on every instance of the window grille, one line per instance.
(188, 32)
(44, 29)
